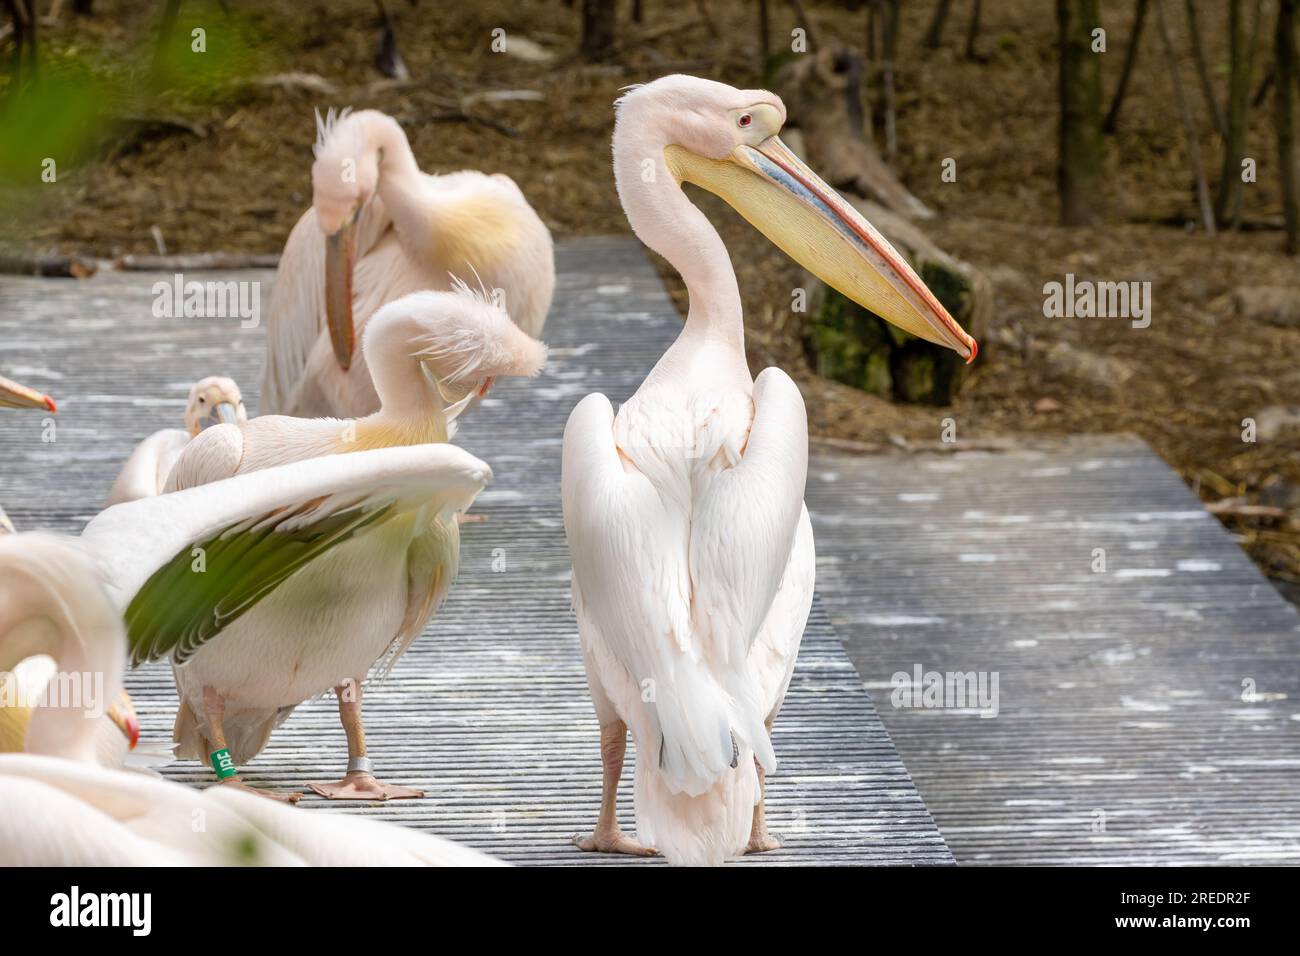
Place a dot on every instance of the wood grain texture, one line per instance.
(1121, 691)
(489, 710)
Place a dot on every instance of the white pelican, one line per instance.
(43, 659)
(430, 354)
(378, 229)
(214, 400)
(60, 808)
(27, 655)
(692, 551)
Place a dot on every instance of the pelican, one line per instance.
(378, 229)
(60, 807)
(692, 551)
(430, 354)
(42, 662)
(26, 662)
(212, 401)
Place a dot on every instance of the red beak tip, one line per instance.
(974, 351)
(49, 403)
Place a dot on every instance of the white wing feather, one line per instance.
(135, 539)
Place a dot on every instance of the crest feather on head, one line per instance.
(327, 125)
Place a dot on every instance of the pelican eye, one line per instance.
(745, 119)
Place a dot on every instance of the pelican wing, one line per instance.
(297, 314)
(676, 591)
(187, 564)
(744, 522)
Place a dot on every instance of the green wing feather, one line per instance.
(180, 608)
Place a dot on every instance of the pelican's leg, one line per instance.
(760, 840)
(359, 783)
(608, 838)
(215, 708)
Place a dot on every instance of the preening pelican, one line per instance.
(368, 598)
(212, 401)
(692, 551)
(50, 658)
(60, 807)
(379, 229)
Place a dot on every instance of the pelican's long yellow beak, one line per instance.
(13, 395)
(340, 250)
(790, 204)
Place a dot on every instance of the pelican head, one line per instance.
(462, 340)
(727, 141)
(344, 178)
(13, 395)
(57, 623)
(213, 401)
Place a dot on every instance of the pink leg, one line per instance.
(608, 837)
(359, 783)
(760, 840)
(215, 708)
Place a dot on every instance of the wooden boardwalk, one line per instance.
(1127, 732)
(488, 711)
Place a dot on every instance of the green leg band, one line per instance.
(222, 764)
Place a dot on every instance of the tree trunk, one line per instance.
(1227, 201)
(889, 16)
(599, 23)
(1189, 124)
(1130, 58)
(1285, 60)
(25, 57)
(849, 344)
(1079, 167)
(823, 96)
(1203, 71)
(934, 34)
(973, 30)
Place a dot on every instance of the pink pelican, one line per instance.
(60, 807)
(379, 229)
(692, 551)
(212, 401)
(430, 354)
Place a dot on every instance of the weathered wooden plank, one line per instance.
(489, 711)
(1121, 691)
